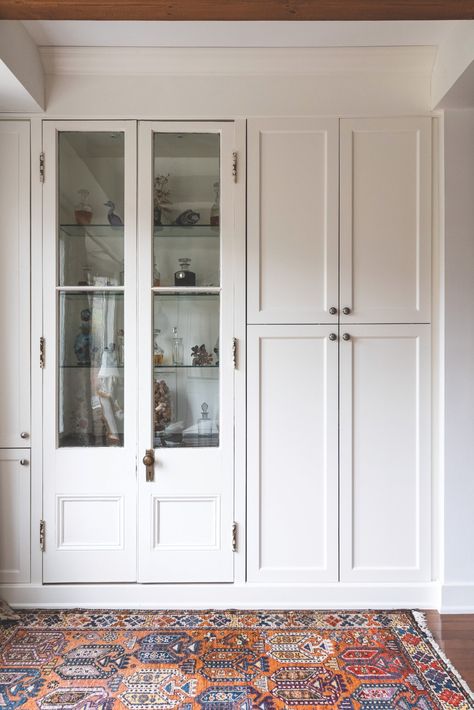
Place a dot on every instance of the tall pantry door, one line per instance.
(90, 359)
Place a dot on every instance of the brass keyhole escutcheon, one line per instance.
(149, 462)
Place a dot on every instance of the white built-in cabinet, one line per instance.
(142, 445)
(15, 431)
(339, 350)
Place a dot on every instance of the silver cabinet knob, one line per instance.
(346, 310)
(24, 462)
(24, 435)
(332, 336)
(346, 336)
(333, 310)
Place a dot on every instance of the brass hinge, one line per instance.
(42, 352)
(42, 535)
(42, 162)
(235, 344)
(234, 165)
(234, 537)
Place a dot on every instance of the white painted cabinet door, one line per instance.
(292, 470)
(292, 197)
(90, 374)
(385, 453)
(186, 402)
(14, 516)
(15, 283)
(385, 220)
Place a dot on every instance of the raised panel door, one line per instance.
(292, 198)
(15, 283)
(385, 220)
(385, 453)
(14, 516)
(292, 466)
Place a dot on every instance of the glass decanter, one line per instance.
(184, 277)
(204, 423)
(158, 352)
(83, 210)
(177, 351)
(215, 209)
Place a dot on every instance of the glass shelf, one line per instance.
(92, 230)
(191, 231)
(86, 367)
(189, 367)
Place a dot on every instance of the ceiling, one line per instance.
(76, 33)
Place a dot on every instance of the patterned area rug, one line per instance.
(224, 660)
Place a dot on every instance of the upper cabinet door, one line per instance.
(15, 283)
(385, 218)
(293, 220)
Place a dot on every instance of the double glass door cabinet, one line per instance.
(138, 376)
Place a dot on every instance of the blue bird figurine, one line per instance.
(113, 218)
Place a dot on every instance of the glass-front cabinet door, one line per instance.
(90, 356)
(186, 225)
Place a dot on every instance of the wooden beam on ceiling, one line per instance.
(236, 10)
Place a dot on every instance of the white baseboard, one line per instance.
(457, 598)
(219, 596)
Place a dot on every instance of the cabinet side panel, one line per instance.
(14, 282)
(293, 456)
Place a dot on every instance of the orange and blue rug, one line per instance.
(224, 660)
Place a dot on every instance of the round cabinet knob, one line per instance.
(346, 311)
(148, 460)
(24, 435)
(332, 336)
(346, 336)
(24, 462)
(333, 310)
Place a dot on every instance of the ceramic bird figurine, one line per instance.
(113, 218)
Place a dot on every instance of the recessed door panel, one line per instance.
(15, 484)
(292, 198)
(292, 482)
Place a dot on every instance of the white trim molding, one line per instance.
(239, 61)
(457, 598)
(221, 596)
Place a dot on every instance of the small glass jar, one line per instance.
(184, 277)
(177, 350)
(158, 352)
(83, 210)
(215, 209)
(204, 423)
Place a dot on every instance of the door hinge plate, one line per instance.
(42, 535)
(41, 167)
(234, 165)
(234, 537)
(42, 352)
(235, 344)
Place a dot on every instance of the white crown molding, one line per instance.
(187, 61)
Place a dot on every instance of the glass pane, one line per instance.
(186, 369)
(91, 366)
(186, 208)
(91, 209)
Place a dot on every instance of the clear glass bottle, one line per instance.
(158, 352)
(177, 350)
(184, 277)
(204, 423)
(215, 209)
(83, 210)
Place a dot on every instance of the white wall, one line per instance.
(459, 360)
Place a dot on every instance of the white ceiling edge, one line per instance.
(77, 33)
(193, 61)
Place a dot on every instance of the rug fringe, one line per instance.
(420, 618)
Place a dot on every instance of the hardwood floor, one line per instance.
(455, 635)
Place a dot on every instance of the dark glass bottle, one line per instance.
(184, 277)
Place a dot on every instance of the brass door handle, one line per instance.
(149, 462)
